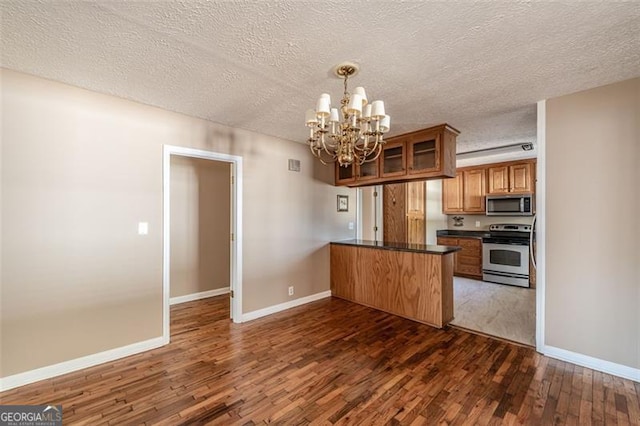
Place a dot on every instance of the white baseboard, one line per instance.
(593, 363)
(198, 296)
(249, 316)
(65, 367)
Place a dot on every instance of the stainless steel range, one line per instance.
(505, 254)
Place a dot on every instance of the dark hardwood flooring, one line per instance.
(332, 362)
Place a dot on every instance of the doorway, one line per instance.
(235, 237)
(200, 229)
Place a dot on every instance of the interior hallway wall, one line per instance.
(80, 170)
(592, 228)
(200, 225)
(435, 218)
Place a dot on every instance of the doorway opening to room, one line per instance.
(202, 231)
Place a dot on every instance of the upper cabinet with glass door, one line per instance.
(345, 175)
(393, 159)
(431, 153)
(424, 150)
(420, 155)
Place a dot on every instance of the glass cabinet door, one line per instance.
(345, 174)
(368, 171)
(393, 159)
(424, 154)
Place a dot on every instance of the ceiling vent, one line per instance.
(506, 149)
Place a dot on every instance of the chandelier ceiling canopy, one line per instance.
(354, 132)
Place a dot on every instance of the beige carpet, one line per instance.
(495, 309)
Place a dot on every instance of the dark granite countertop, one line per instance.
(385, 245)
(461, 233)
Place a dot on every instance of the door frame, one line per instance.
(236, 227)
(376, 212)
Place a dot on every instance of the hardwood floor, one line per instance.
(332, 362)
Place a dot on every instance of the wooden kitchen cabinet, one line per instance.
(356, 172)
(468, 261)
(393, 160)
(413, 283)
(452, 197)
(521, 177)
(416, 156)
(424, 153)
(498, 177)
(367, 171)
(345, 175)
(465, 193)
(511, 178)
(431, 153)
(473, 190)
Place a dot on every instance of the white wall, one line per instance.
(81, 169)
(592, 259)
(436, 220)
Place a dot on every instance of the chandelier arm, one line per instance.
(324, 146)
(325, 160)
(368, 148)
(379, 148)
(317, 152)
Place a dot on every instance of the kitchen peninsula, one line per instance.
(414, 281)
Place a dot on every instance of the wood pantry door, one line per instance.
(394, 210)
(416, 217)
(403, 215)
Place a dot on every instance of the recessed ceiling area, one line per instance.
(258, 65)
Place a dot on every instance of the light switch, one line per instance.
(143, 228)
(477, 224)
(351, 226)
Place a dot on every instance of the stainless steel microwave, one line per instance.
(510, 205)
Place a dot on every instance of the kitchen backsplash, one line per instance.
(469, 221)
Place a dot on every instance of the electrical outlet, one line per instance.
(291, 291)
(477, 224)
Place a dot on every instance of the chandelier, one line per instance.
(353, 134)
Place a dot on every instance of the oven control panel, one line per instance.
(510, 227)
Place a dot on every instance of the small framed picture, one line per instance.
(343, 203)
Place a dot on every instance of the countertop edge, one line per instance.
(450, 233)
(417, 248)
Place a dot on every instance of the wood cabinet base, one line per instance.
(468, 261)
(417, 286)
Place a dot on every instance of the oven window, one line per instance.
(505, 257)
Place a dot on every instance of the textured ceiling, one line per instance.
(258, 65)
